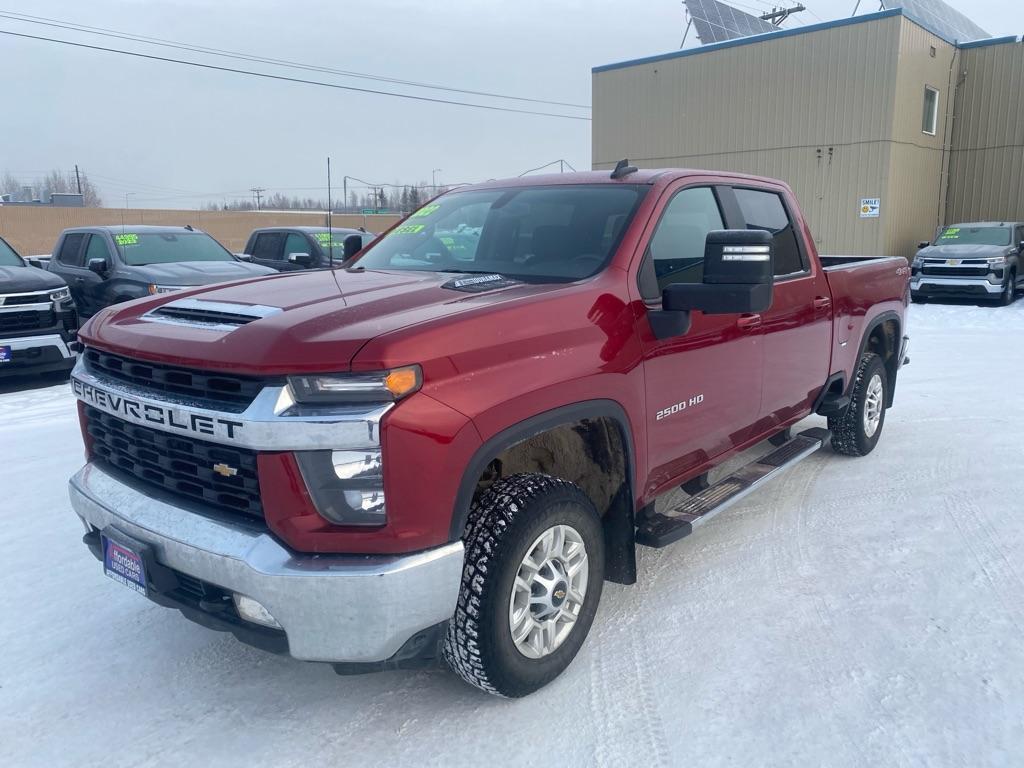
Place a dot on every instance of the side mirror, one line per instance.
(353, 245)
(35, 262)
(738, 276)
(243, 257)
(302, 259)
(99, 266)
(923, 244)
(1021, 246)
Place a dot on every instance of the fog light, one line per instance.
(252, 610)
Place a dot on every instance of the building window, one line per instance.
(931, 111)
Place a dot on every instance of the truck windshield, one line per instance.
(541, 234)
(974, 236)
(8, 258)
(139, 248)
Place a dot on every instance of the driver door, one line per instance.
(703, 388)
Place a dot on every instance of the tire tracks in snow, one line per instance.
(628, 728)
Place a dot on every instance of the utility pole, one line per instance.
(330, 232)
(258, 191)
(778, 15)
(433, 178)
(78, 179)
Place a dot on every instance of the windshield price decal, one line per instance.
(951, 232)
(425, 211)
(126, 239)
(410, 229)
(325, 240)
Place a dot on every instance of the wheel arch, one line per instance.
(618, 514)
(883, 336)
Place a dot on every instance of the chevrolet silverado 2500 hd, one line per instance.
(450, 444)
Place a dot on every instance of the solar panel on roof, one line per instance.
(716, 22)
(947, 21)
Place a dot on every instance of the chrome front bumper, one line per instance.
(333, 608)
(919, 282)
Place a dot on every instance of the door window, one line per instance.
(765, 210)
(97, 249)
(71, 250)
(296, 244)
(677, 247)
(269, 246)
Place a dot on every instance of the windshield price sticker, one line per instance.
(325, 240)
(129, 239)
(410, 229)
(952, 232)
(425, 211)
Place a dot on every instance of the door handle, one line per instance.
(748, 321)
(822, 302)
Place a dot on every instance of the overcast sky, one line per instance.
(175, 136)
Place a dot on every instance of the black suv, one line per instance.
(291, 248)
(38, 323)
(108, 265)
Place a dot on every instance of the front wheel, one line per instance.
(530, 586)
(856, 430)
(1009, 290)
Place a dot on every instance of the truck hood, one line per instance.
(963, 251)
(198, 272)
(28, 279)
(302, 322)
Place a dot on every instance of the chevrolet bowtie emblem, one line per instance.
(224, 470)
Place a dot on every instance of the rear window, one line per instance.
(8, 258)
(974, 236)
(140, 248)
(540, 234)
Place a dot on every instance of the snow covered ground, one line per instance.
(858, 612)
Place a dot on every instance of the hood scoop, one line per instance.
(211, 315)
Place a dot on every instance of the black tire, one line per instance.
(502, 525)
(1009, 293)
(849, 434)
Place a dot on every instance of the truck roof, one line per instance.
(313, 230)
(137, 228)
(988, 224)
(641, 176)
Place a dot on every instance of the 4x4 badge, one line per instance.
(224, 470)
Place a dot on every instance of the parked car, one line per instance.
(38, 322)
(292, 248)
(971, 261)
(432, 452)
(108, 265)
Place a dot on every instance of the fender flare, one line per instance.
(866, 336)
(528, 428)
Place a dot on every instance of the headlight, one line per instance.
(156, 289)
(347, 487)
(356, 387)
(997, 261)
(60, 294)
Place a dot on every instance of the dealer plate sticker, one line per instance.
(124, 566)
(6, 354)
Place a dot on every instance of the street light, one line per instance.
(433, 178)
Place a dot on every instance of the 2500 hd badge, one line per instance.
(142, 412)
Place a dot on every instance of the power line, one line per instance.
(283, 78)
(105, 32)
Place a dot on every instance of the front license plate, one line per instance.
(6, 353)
(124, 565)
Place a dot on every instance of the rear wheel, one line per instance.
(530, 587)
(855, 432)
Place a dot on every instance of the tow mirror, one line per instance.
(738, 278)
(302, 259)
(99, 266)
(353, 245)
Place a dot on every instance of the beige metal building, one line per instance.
(884, 130)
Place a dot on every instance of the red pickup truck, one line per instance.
(447, 446)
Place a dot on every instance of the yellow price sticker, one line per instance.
(410, 229)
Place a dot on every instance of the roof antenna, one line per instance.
(623, 169)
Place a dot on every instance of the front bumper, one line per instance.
(356, 609)
(928, 285)
(37, 354)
